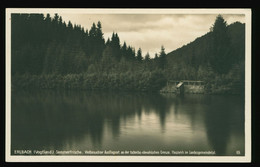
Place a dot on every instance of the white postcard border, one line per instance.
(80, 158)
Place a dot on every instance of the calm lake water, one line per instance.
(79, 120)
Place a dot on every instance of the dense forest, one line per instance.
(50, 53)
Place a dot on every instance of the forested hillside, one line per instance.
(201, 55)
(218, 58)
(50, 53)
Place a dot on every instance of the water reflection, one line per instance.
(221, 118)
(131, 121)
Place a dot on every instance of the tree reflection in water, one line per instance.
(61, 119)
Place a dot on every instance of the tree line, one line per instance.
(47, 47)
(47, 52)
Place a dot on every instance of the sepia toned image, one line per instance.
(128, 85)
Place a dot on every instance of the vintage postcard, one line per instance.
(128, 85)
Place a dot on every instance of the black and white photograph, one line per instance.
(128, 85)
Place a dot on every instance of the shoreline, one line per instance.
(118, 82)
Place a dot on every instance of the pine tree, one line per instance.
(156, 56)
(108, 42)
(130, 53)
(139, 56)
(220, 57)
(162, 58)
(70, 25)
(99, 41)
(147, 57)
(124, 51)
(115, 44)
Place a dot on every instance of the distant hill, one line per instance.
(197, 53)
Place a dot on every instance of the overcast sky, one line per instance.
(151, 31)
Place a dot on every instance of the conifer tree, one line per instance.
(220, 57)
(162, 58)
(139, 56)
(115, 44)
(147, 57)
